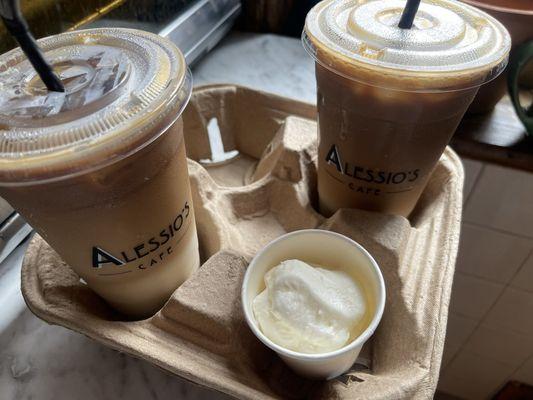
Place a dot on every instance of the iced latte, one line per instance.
(100, 171)
(389, 99)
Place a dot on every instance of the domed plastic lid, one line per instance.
(119, 83)
(447, 37)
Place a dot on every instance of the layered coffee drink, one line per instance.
(100, 170)
(389, 99)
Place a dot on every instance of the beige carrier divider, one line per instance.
(267, 188)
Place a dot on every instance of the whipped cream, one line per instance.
(309, 309)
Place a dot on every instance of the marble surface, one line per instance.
(39, 361)
(270, 63)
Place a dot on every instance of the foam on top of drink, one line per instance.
(119, 84)
(450, 44)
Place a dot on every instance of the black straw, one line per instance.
(408, 15)
(18, 28)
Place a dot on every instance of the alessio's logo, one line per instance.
(376, 176)
(156, 247)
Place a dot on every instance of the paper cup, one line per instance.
(333, 251)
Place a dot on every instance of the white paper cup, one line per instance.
(330, 250)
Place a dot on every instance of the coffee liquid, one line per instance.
(106, 183)
(390, 99)
(377, 147)
(128, 228)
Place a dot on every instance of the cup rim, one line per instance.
(357, 342)
(499, 8)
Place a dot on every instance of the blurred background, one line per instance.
(48, 17)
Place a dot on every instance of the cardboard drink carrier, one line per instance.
(266, 188)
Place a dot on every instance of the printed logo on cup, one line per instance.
(150, 252)
(369, 175)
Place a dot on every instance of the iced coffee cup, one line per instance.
(389, 99)
(100, 170)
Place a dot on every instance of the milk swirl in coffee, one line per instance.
(390, 99)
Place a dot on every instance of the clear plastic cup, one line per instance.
(100, 171)
(390, 99)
